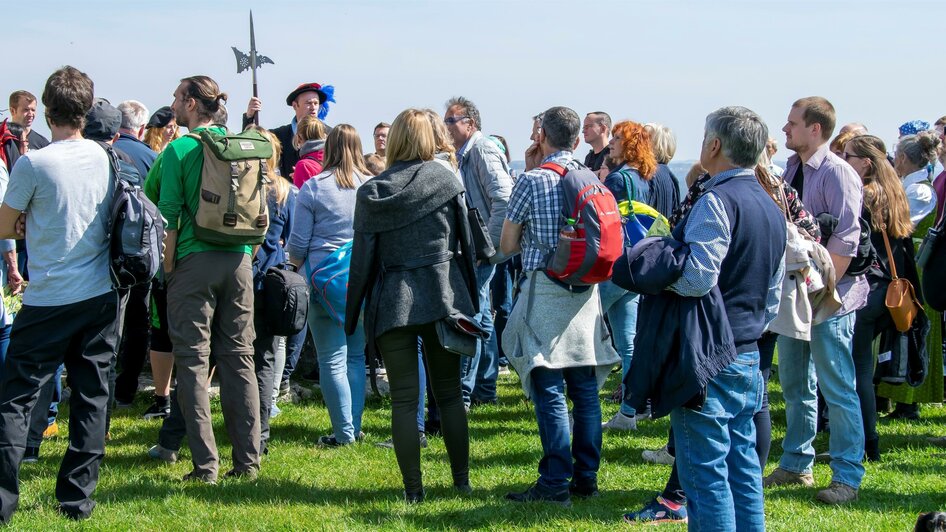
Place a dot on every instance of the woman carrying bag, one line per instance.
(412, 266)
(322, 224)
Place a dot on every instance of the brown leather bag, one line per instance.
(901, 299)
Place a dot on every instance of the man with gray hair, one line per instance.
(132, 130)
(735, 235)
(486, 177)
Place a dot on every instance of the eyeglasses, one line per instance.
(454, 119)
(848, 156)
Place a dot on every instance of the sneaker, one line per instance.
(620, 422)
(481, 402)
(274, 411)
(194, 476)
(657, 511)
(583, 489)
(782, 477)
(389, 443)
(160, 453)
(660, 456)
(51, 431)
(536, 494)
(330, 441)
(31, 455)
(837, 493)
(158, 409)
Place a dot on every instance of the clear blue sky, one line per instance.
(652, 61)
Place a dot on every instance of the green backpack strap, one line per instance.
(629, 188)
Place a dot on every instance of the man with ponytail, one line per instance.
(210, 299)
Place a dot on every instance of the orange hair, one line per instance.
(636, 149)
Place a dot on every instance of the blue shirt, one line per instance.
(140, 153)
(536, 203)
(709, 235)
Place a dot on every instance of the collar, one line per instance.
(920, 176)
(726, 176)
(469, 142)
(129, 137)
(816, 160)
(294, 124)
(561, 154)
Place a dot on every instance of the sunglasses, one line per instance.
(454, 119)
(848, 156)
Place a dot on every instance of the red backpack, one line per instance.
(593, 236)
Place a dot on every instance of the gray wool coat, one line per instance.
(408, 220)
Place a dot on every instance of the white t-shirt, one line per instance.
(66, 191)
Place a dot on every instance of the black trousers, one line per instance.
(399, 349)
(871, 320)
(136, 336)
(264, 359)
(84, 336)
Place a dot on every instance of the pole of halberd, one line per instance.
(253, 64)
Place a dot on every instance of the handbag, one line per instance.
(329, 281)
(640, 220)
(459, 334)
(901, 299)
(479, 235)
(931, 258)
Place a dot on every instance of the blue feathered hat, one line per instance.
(326, 95)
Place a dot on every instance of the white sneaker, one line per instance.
(660, 456)
(620, 422)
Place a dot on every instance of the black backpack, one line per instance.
(866, 254)
(135, 227)
(284, 301)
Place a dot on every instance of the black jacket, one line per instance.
(290, 155)
(687, 340)
(412, 258)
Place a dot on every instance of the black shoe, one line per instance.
(415, 497)
(199, 477)
(160, 408)
(248, 474)
(464, 489)
(481, 402)
(31, 455)
(330, 441)
(75, 514)
(584, 489)
(536, 494)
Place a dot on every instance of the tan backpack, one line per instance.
(232, 206)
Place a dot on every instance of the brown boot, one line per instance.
(782, 477)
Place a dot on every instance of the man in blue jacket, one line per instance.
(736, 235)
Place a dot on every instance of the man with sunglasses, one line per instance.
(486, 177)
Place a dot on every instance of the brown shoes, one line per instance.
(837, 493)
(781, 477)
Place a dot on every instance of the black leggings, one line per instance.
(673, 491)
(398, 348)
(871, 320)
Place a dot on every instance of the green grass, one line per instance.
(359, 487)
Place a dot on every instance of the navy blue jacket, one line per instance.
(687, 340)
(141, 155)
(665, 196)
(271, 252)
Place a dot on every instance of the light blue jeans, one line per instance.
(715, 451)
(477, 382)
(826, 361)
(621, 307)
(341, 370)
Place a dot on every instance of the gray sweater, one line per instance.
(405, 218)
(322, 220)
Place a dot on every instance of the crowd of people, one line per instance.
(752, 257)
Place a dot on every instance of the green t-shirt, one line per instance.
(152, 186)
(181, 164)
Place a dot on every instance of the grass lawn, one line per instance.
(359, 487)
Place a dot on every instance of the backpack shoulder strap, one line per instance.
(629, 187)
(555, 167)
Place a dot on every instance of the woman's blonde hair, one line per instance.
(663, 141)
(278, 185)
(309, 128)
(884, 197)
(343, 156)
(442, 137)
(154, 137)
(411, 138)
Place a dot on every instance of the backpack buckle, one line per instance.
(230, 219)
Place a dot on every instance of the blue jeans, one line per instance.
(715, 451)
(621, 307)
(341, 370)
(478, 373)
(549, 388)
(828, 362)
